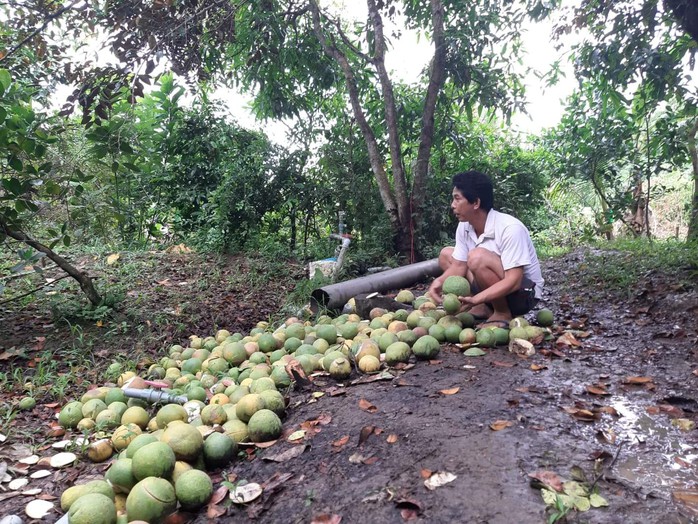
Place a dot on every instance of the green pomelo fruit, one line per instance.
(248, 406)
(386, 339)
(327, 332)
(120, 475)
(71, 414)
(296, 330)
(124, 435)
(73, 493)
(436, 314)
(185, 440)
(213, 414)
(340, 369)
(108, 418)
(378, 323)
(153, 460)
(452, 333)
(277, 355)
(193, 489)
(264, 426)
(377, 333)
(544, 317)
(307, 362)
(306, 349)
(420, 301)
(426, 322)
(397, 352)
(501, 336)
(321, 345)
(27, 403)
(196, 393)
(292, 344)
(234, 353)
(438, 332)
(93, 508)
(349, 330)
(240, 392)
(274, 401)
(518, 322)
(451, 304)
(219, 450)
(457, 285)
(115, 395)
(280, 377)
(151, 500)
(119, 408)
(426, 347)
(138, 442)
(405, 296)
(518, 332)
(407, 336)
(467, 320)
(169, 413)
(260, 371)
(262, 384)
(533, 332)
(217, 365)
(236, 430)
(330, 357)
(413, 319)
(86, 424)
(369, 364)
(192, 365)
(467, 336)
(267, 343)
(486, 338)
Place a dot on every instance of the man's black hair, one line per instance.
(474, 185)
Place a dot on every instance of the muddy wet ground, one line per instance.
(616, 410)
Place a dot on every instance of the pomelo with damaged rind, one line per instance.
(151, 500)
(93, 508)
(193, 489)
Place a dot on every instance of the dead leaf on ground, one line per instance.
(581, 414)
(451, 391)
(410, 509)
(326, 519)
(113, 258)
(688, 498)
(537, 367)
(597, 390)
(340, 442)
(499, 425)
(548, 478)
(567, 339)
(695, 372)
(366, 432)
(287, 455)
(501, 364)
(392, 438)
(219, 495)
(213, 511)
(365, 405)
(426, 473)
(637, 380)
(246, 493)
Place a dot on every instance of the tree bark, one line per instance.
(693, 220)
(374, 154)
(83, 279)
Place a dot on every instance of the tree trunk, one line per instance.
(83, 279)
(693, 220)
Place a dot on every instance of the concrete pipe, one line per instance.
(334, 296)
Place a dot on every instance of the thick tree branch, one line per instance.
(693, 221)
(83, 279)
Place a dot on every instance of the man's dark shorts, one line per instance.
(521, 301)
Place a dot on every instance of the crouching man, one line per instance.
(493, 251)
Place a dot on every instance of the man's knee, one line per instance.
(481, 258)
(446, 258)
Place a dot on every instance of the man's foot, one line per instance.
(481, 312)
(495, 323)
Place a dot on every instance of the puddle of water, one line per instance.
(655, 455)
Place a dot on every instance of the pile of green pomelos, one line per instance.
(230, 390)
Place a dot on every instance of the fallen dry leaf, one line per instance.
(451, 391)
(287, 455)
(392, 438)
(426, 473)
(246, 493)
(549, 479)
(567, 339)
(688, 498)
(637, 380)
(111, 259)
(326, 519)
(597, 390)
(365, 405)
(501, 364)
(537, 367)
(219, 495)
(340, 442)
(366, 432)
(499, 425)
(214, 511)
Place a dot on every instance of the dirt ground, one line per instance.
(609, 400)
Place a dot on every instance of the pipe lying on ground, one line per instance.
(334, 296)
(155, 396)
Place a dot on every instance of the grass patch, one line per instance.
(622, 264)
